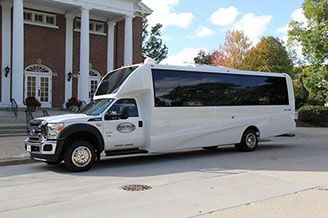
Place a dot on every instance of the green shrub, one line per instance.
(315, 115)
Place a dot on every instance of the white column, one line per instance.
(18, 52)
(110, 45)
(6, 51)
(69, 56)
(84, 56)
(128, 41)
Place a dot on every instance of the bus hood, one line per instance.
(67, 118)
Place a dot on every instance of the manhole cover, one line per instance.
(136, 188)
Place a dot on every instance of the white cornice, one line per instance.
(44, 8)
(115, 6)
(142, 9)
(127, 8)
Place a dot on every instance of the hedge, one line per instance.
(315, 115)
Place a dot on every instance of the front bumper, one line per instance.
(49, 151)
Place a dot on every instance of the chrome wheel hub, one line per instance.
(251, 140)
(81, 156)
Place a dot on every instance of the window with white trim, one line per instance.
(40, 18)
(94, 27)
(28, 16)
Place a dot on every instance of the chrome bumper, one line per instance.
(41, 147)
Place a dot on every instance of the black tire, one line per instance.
(212, 148)
(80, 156)
(249, 141)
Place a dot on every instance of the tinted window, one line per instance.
(118, 107)
(112, 81)
(181, 88)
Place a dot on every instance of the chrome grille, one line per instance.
(36, 131)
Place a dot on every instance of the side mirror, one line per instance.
(124, 113)
(111, 117)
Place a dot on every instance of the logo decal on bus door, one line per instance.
(126, 127)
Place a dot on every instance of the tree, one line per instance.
(268, 55)
(315, 81)
(300, 92)
(313, 37)
(313, 34)
(232, 52)
(203, 58)
(152, 43)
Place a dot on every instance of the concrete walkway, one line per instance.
(12, 151)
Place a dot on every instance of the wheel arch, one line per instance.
(82, 132)
(251, 127)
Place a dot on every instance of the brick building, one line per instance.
(58, 49)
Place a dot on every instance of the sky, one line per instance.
(192, 25)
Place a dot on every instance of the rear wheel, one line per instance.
(249, 141)
(80, 156)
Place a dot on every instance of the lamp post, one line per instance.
(69, 76)
(7, 71)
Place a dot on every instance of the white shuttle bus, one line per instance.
(150, 108)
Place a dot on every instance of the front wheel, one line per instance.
(249, 141)
(80, 156)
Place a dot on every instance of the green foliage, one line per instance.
(203, 58)
(301, 95)
(268, 55)
(152, 43)
(316, 83)
(312, 35)
(315, 115)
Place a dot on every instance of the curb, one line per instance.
(10, 162)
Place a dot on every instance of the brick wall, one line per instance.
(48, 45)
(137, 40)
(98, 56)
(119, 44)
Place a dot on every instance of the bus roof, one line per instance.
(210, 69)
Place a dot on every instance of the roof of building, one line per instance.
(141, 9)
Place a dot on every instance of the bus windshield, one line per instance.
(113, 81)
(96, 107)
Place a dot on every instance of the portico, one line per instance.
(97, 20)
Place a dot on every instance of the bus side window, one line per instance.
(117, 108)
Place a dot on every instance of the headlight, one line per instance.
(53, 129)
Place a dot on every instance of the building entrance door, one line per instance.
(38, 84)
(94, 79)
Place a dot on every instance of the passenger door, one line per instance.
(123, 132)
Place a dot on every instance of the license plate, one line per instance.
(28, 148)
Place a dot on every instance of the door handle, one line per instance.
(140, 124)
